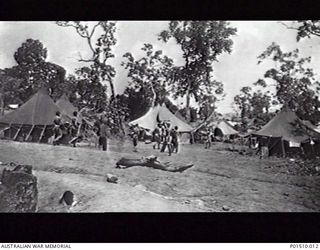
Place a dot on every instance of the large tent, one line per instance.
(66, 106)
(285, 133)
(33, 121)
(160, 113)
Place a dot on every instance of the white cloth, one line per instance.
(294, 144)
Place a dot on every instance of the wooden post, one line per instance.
(16, 135)
(30, 132)
(42, 133)
(283, 149)
(10, 130)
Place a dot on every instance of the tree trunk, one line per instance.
(2, 103)
(112, 91)
(151, 162)
(154, 95)
(188, 111)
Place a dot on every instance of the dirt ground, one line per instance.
(220, 180)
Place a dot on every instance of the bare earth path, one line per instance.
(219, 178)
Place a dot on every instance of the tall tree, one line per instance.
(260, 103)
(100, 38)
(8, 91)
(253, 104)
(34, 71)
(294, 82)
(242, 101)
(136, 101)
(150, 74)
(201, 43)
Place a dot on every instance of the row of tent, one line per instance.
(285, 133)
(162, 113)
(34, 119)
(281, 134)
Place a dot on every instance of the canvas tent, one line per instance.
(33, 121)
(285, 133)
(160, 113)
(66, 106)
(224, 128)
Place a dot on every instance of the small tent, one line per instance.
(33, 121)
(66, 106)
(224, 128)
(160, 113)
(286, 133)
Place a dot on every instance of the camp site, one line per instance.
(166, 116)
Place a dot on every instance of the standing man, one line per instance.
(208, 138)
(74, 129)
(174, 140)
(166, 136)
(57, 133)
(103, 135)
(135, 136)
(157, 136)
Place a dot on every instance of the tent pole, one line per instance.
(16, 135)
(283, 150)
(30, 132)
(42, 133)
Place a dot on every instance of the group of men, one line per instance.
(62, 129)
(166, 136)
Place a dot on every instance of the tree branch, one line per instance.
(287, 26)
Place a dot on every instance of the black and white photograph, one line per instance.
(159, 116)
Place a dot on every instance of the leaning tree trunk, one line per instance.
(112, 91)
(2, 103)
(152, 162)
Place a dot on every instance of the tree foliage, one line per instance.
(8, 91)
(294, 82)
(100, 38)
(201, 43)
(137, 102)
(35, 72)
(305, 28)
(89, 80)
(242, 101)
(149, 75)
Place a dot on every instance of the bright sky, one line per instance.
(235, 70)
